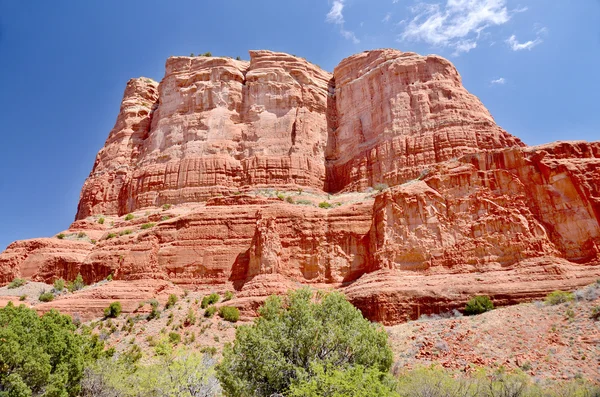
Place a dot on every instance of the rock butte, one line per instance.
(244, 152)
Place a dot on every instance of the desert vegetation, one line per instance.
(306, 343)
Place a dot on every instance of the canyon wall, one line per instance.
(258, 177)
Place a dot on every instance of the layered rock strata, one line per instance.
(255, 177)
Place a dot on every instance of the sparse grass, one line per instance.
(23, 297)
(101, 221)
(129, 217)
(166, 207)
(304, 202)
(16, 283)
(125, 232)
(110, 235)
(289, 199)
(81, 235)
(148, 225)
(60, 236)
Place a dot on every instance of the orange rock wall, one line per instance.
(471, 210)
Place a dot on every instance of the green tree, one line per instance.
(295, 335)
(42, 354)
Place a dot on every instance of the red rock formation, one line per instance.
(471, 209)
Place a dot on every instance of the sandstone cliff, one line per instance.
(224, 164)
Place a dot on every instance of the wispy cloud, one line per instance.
(458, 24)
(336, 16)
(500, 81)
(515, 45)
(387, 17)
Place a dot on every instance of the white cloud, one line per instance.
(336, 16)
(387, 17)
(499, 81)
(458, 24)
(514, 44)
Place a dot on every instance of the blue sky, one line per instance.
(64, 65)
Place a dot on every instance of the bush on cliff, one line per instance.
(300, 339)
(113, 310)
(479, 304)
(42, 355)
(209, 300)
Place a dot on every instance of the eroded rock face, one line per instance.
(397, 113)
(251, 155)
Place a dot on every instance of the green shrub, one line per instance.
(77, 284)
(154, 312)
(113, 310)
(60, 236)
(289, 199)
(595, 313)
(23, 297)
(109, 277)
(209, 300)
(229, 313)
(148, 225)
(558, 297)
(59, 285)
(16, 283)
(210, 311)
(125, 232)
(129, 217)
(190, 319)
(228, 296)
(110, 235)
(101, 221)
(81, 235)
(166, 207)
(296, 334)
(380, 187)
(238, 58)
(174, 337)
(46, 297)
(479, 304)
(207, 54)
(171, 301)
(42, 355)
(356, 381)
(325, 204)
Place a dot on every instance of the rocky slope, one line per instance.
(258, 177)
